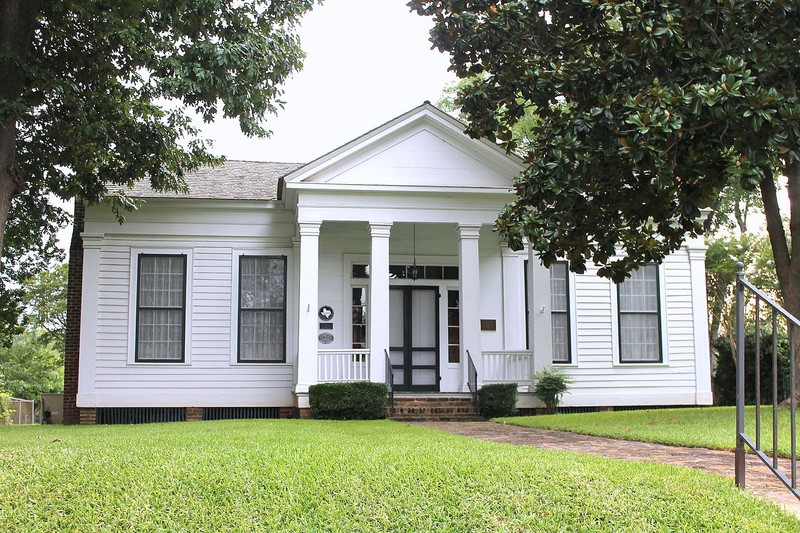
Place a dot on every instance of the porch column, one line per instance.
(539, 308)
(379, 299)
(513, 299)
(307, 310)
(470, 300)
(702, 362)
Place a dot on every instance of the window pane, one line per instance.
(558, 286)
(262, 312)
(161, 281)
(560, 334)
(160, 314)
(261, 336)
(559, 312)
(160, 334)
(638, 337)
(262, 282)
(640, 291)
(453, 328)
(359, 317)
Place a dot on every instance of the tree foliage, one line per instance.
(30, 367)
(521, 130)
(99, 94)
(722, 259)
(648, 111)
(45, 299)
(32, 359)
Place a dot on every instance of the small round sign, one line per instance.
(325, 338)
(325, 313)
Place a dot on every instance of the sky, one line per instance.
(367, 61)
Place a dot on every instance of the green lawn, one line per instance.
(278, 475)
(704, 427)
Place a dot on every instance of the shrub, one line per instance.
(725, 375)
(6, 407)
(551, 384)
(355, 400)
(497, 399)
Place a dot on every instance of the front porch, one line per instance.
(499, 366)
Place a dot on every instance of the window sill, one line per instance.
(262, 363)
(641, 364)
(159, 363)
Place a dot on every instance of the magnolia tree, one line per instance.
(95, 94)
(649, 110)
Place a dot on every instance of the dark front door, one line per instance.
(414, 338)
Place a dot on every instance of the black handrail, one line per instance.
(472, 379)
(742, 438)
(389, 382)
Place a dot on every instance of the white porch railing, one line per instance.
(342, 365)
(505, 366)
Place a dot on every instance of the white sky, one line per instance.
(367, 61)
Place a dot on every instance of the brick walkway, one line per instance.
(759, 480)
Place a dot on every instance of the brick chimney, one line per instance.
(73, 328)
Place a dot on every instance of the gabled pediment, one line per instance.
(423, 148)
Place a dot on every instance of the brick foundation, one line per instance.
(194, 414)
(73, 328)
(290, 412)
(87, 416)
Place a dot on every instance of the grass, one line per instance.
(292, 475)
(705, 427)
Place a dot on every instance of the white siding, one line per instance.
(211, 376)
(599, 378)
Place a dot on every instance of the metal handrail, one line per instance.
(472, 379)
(742, 438)
(389, 378)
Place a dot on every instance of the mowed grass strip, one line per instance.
(293, 475)
(705, 427)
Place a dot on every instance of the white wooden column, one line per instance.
(379, 299)
(92, 244)
(513, 299)
(702, 358)
(307, 310)
(540, 323)
(469, 300)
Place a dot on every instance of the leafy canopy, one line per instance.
(100, 94)
(648, 110)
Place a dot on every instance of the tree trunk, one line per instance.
(17, 24)
(786, 250)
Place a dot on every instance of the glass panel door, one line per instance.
(413, 338)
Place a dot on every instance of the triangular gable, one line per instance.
(422, 148)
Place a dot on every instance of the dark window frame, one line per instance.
(239, 311)
(139, 308)
(567, 312)
(657, 313)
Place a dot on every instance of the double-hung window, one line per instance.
(639, 317)
(559, 312)
(161, 308)
(262, 309)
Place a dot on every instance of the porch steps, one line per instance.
(435, 406)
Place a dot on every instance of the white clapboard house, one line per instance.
(266, 278)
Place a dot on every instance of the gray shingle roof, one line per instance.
(233, 180)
